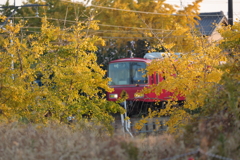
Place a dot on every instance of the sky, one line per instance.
(206, 5)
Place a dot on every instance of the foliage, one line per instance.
(133, 26)
(59, 13)
(209, 79)
(138, 26)
(230, 43)
(151, 21)
(71, 82)
(54, 75)
(192, 75)
(218, 123)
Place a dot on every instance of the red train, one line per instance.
(128, 74)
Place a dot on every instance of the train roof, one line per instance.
(147, 58)
(159, 55)
(131, 60)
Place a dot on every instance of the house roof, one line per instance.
(208, 20)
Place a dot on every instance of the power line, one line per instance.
(134, 11)
(109, 37)
(113, 26)
(146, 12)
(16, 8)
(133, 27)
(106, 25)
(206, 1)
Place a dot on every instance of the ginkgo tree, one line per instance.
(53, 75)
(193, 75)
(125, 25)
(142, 24)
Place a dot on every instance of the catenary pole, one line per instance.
(230, 12)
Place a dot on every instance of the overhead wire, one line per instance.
(206, 1)
(112, 31)
(156, 13)
(125, 27)
(110, 37)
(135, 11)
(106, 25)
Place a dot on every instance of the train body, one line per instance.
(129, 74)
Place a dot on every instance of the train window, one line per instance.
(127, 73)
(119, 73)
(138, 73)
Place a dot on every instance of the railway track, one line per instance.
(152, 126)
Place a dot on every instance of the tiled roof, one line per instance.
(206, 23)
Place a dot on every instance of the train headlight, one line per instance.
(113, 96)
(138, 95)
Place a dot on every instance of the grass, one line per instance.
(63, 142)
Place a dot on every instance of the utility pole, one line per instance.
(230, 12)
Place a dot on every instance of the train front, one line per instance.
(128, 74)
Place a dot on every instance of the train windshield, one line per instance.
(127, 73)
